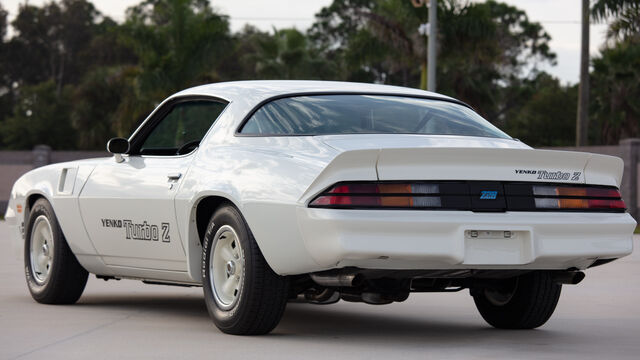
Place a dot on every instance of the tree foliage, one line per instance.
(72, 77)
(40, 115)
(51, 42)
(483, 46)
(616, 72)
(626, 18)
(616, 91)
(547, 115)
(178, 43)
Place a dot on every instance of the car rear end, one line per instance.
(511, 225)
(422, 182)
(423, 195)
(456, 208)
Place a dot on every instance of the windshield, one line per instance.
(366, 114)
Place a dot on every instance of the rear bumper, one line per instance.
(398, 239)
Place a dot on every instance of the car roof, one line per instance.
(256, 91)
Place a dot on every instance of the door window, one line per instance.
(182, 129)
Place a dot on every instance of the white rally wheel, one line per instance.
(226, 266)
(52, 271)
(244, 296)
(41, 250)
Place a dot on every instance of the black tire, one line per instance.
(528, 301)
(262, 297)
(66, 278)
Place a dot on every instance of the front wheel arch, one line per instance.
(30, 200)
(64, 279)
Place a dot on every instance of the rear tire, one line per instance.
(524, 302)
(53, 273)
(244, 296)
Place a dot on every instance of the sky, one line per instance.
(560, 18)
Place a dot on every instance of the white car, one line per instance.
(267, 191)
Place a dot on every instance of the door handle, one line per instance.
(174, 176)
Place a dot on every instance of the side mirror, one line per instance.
(118, 146)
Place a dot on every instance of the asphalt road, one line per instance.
(600, 318)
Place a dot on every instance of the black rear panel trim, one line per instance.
(465, 196)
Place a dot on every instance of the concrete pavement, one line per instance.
(600, 318)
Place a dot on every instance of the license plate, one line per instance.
(489, 234)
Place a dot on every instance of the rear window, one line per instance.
(366, 114)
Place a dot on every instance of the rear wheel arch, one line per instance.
(202, 211)
(205, 208)
(258, 302)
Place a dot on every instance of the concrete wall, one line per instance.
(15, 163)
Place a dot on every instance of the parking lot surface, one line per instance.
(600, 318)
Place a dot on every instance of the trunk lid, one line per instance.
(498, 164)
(419, 157)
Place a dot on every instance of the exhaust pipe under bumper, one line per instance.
(337, 280)
(567, 277)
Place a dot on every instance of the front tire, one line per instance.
(53, 273)
(243, 294)
(523, 302)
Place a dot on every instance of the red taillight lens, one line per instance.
(346, 200)
(607, 204)
(354, 189)
(390, 195)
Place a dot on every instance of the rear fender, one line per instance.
(350, 165)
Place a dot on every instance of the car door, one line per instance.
(128, 206)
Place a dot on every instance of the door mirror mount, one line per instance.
(118, 146)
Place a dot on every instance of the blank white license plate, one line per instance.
(497, 247)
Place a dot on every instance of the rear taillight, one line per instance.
(478, 196)
(380, 195)
(576, 197)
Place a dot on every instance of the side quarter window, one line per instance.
(182, 128)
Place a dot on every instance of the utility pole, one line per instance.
(430, 29)
(582, 122)
(433, 40)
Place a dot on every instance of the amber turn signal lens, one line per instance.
(394, 188)
(396, 201)
(570, 191)
(573, 204)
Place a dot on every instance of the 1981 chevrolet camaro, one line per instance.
(267, 191)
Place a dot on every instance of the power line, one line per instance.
(258, 18)
(559, 22)
(271, 18)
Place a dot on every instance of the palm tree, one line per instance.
(616, 72)
(178, 44)
(626, 14)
